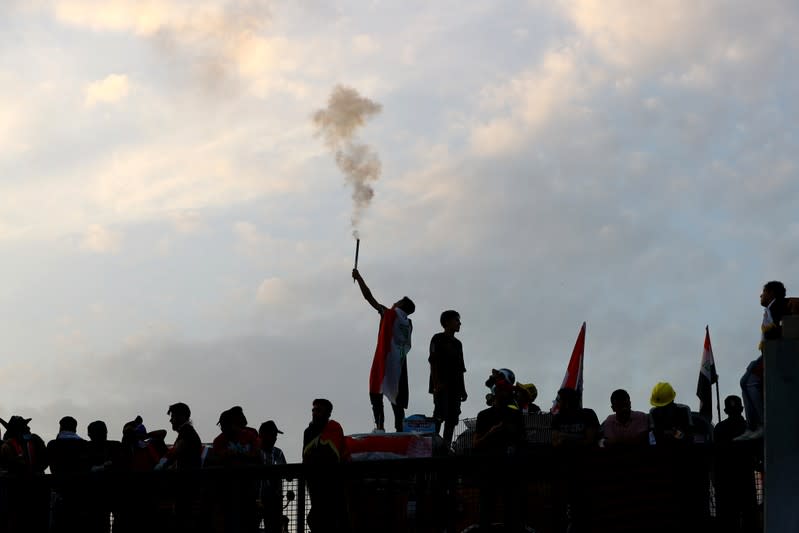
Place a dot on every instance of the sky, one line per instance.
(174, 228)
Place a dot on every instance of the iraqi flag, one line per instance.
(707, 377)
(389, 373)
(574, 372)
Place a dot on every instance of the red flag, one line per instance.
(378, 371)
(707, 377)
(574, 372)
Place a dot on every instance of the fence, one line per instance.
(645, 489)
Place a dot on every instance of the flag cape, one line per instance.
(388, 375)
(574, 372)
(707, 377)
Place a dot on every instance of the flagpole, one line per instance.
(718, 402)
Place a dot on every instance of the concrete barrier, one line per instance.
(782, 435)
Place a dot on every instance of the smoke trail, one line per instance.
(338, 123)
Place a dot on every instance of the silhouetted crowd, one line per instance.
(24, 454)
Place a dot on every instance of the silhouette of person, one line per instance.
(323, 445)
(774, 303)
(103, 454)
(271, 489)
(446, 375)
(389, 373)
(68, 453)
(24, 455)
(185, 454)
(237, 445)
(736, 500)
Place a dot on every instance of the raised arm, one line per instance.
(367, 294)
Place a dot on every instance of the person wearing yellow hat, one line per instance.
(671, 421)
(526, 393)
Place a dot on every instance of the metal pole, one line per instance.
(300, 518)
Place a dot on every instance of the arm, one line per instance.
(461, 380)
(434, 380)
(481, 439)
(591, 429)
(280, 458)
(484, 434)
(178, 450)
(367, 294)
(590, 436)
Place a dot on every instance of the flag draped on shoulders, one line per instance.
(389, 374)
(574, 372)
(707, 377)
(331, 437)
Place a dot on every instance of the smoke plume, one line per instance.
(338, 124)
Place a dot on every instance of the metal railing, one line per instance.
(546, 490)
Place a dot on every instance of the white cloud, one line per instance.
(497, 137)
(272, 291)
(524, 104)
(187, 221)
(365, 44)
(681, 37)
(195, 18)
(110, 89)
(99, 239)
(247, 234)
(220, 41)
(631, 33)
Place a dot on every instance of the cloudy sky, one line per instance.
(172, 228)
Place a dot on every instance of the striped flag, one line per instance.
(574, 372)
(707, 377)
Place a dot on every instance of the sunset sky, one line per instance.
(173, 228)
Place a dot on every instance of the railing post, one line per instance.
(300, 508)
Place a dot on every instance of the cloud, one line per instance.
(219, 42)
(682, 39)
(272, 291)
(187, 221)
(247, 234)
(111, 89)
(101, 240)
(365, 44)
(194, 20)
(641, 181)
(496, 137)
(526, 103)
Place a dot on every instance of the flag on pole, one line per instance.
(574, 372)
(707, 377)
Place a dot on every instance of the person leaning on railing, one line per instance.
(500, 433)
(624, 427)
(573, 426)
(672, 424)
(324, 445)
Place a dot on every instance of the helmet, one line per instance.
(662, 394)
(508, 374)
(530, 389)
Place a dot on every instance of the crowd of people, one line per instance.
(500, 429)
(24, 453)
